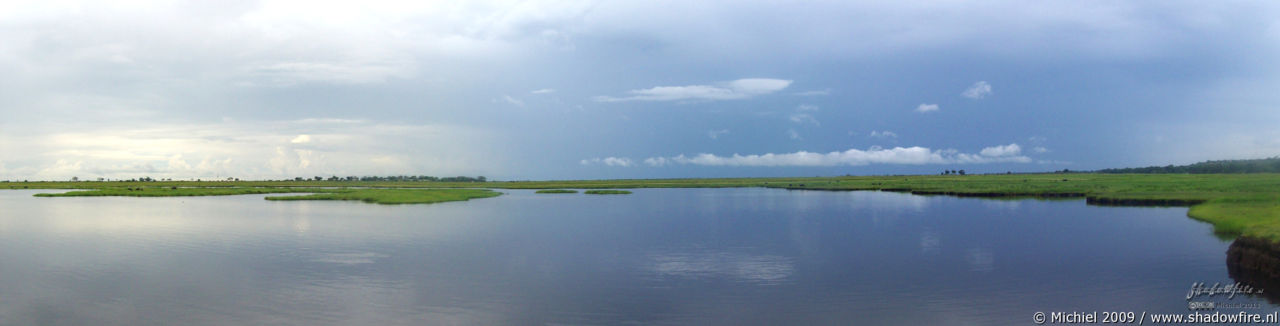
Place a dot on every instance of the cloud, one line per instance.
(177, 163)
(927, 108)
(656, 161)
(252, 150)
(733, 90)
(609, 161)
(883, 134)
(803, 118)
(512, 100)
(791, 133)
(1006, 150)
(328, 120)
(715, 134)
(292, 73)
(543, 91)
(806, 107)
(823, 92)
(853, 157)
(978, 91)
(1040, 149)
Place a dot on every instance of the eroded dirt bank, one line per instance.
(1256, 262)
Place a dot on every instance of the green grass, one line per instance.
(140, 191)
(396, 196)
(1236, 204)
(556, 191)
(607, 192)
(378, 196)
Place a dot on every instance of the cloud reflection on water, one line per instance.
(754, 268)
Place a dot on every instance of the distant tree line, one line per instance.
(1265, 165)
(142, 179)
(396, 178)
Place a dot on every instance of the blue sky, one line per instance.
(527, 90)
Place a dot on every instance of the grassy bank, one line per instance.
(607, 192)
(556, 191)
(1236, 204)
(397, 196)
(378, 196)
(173, 191)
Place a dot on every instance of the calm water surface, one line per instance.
(658, 256)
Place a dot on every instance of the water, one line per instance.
(658, 256)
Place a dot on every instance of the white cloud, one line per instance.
(806, 107)
(853, 157)
(512, 100)
(177, 163)
(979, 90)
(1005, 150)
(543, 91)
(803, 118)
(609, 161)
(733, 90)
(1054, 162)
(823, 92)
(656, 161)
(791, 133)
(883, 134)
(715, 134)
(251, 150)
(927, 108)
(291, 73)
(326, 121)
(1040, 149)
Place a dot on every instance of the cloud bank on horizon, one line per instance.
(914, 155)
(733, 90)
(552, 89)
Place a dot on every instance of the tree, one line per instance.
(961, 172)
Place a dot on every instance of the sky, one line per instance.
(536, 90)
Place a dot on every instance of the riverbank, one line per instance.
(1236, 204)
(375, 196)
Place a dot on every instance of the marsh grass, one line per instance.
(607, 192)
(172, 191)
(1236, 204)
(379, 196)
(396, 196)
(556, 191)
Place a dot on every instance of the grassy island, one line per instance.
(607, 192)
(396, 196)
(556, 191)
